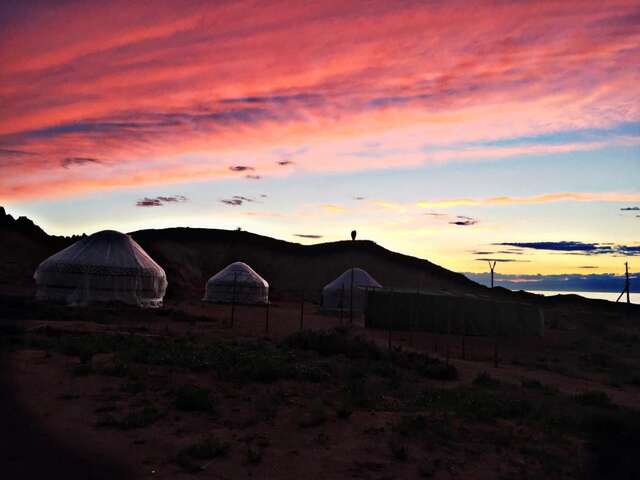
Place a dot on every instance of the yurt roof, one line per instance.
(239, 272)
(107, 252)
(361, 278)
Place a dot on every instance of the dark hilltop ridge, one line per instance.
(191, 255)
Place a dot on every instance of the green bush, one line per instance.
(399, 451)
(594, 398)
(267, 404)
(411, 425)
(437, 370)
(533, 384)
(82, 370)
(254, 455)
(485, 380)
(316, 416)
(333, 342)
(344, 410)
(191, 398)
(134, 419)
(210, 447)
(479, 404)
(139, 418)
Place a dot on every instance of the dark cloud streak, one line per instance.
(307, 235)
(578, 248)
(237, 200)
(160, 201)
(463, 221)
(77, 161)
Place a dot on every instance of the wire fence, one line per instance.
(401, 321)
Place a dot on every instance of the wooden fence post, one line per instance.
(390, 323)
(351, 300)
(495, 340)
(341, 303)
(447, 339)
(233, 300)
(302, 312)
(266, 320)
(464, 334)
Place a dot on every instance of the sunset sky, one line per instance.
(453, 131)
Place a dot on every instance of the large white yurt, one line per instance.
(107, 266)
(237, 283)
(337, 294)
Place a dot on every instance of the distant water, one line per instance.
(612, 296)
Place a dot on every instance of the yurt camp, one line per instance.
(107, 266)
(237, 283)
(337, 294)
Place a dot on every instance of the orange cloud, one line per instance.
(532, 200)
(330, 208)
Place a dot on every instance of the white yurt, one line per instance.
(337, 294)
(237, 283)
(107, 266)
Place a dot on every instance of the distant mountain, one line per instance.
(19, 225)
(567, 282)
(23, 245)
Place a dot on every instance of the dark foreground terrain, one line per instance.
(183, 392)
(116, 392)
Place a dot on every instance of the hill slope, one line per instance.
(191, 255)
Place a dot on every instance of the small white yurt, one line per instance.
(337, 294)
(107, 266)
(237, 283)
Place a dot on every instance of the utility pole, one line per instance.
(492, 267)
(351, 300)
(233, 299)
(626, 283)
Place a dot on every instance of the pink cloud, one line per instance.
(177, 93)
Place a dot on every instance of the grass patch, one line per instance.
(132, 420)
(333, 342)
(438, 370)
(614, 440)
(422, 427)
(399, 451)
(487, 381)
(133, 387)
(316, 416)
(356, 391)
(537, 385)
(192, 398)
(254, 455)
(190, 458)
(82, 370)
(267, 405)
(594, 398)
(344, 410)
(411, 425)
(478, 404)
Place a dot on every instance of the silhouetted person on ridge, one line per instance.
(353, 234)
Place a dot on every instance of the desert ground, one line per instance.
(182, 391)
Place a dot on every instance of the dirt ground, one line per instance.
(91, 417)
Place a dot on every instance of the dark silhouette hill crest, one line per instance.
(191, 255)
